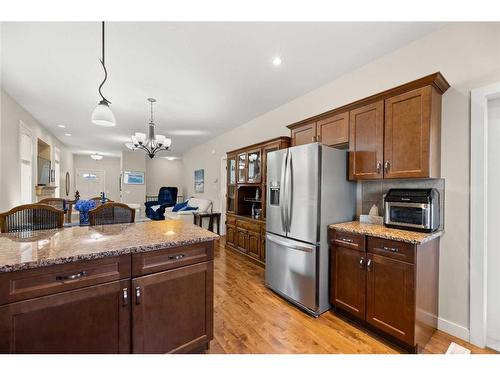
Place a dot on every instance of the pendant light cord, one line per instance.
(104, 67)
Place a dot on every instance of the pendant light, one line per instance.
(102, 114)
(150, 143)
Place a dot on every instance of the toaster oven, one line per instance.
(413, 209)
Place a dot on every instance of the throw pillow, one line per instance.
(188, 208)
(179, 206)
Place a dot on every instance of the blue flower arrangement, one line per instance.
(84, 206)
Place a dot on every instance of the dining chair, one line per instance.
(111, 213)
(60, 204)
(29, 217)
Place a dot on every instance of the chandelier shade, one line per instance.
(150, 143)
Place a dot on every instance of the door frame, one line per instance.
(223, 193)
(479, 211)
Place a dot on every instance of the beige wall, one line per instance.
(469, 56)
(162, 172)
(10, 178)
(134, 161)
(111, 167)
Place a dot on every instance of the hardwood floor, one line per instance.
(249, 318)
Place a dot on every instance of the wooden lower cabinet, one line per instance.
(173, 310)
(94, 319)
(390, 286)
(248, 236)
(390, 297)
(348, 266)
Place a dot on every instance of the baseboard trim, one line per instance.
(493, 344)
(453, 329)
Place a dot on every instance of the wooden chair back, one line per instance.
(111, 213)
(60, 204)
(98, 202)
(29, 217)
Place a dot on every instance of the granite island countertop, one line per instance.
(381, 231)
(66, 245)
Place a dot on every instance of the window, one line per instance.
(26, 160)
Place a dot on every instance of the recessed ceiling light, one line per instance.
(61, 126)
(277, 61)
(67, 134)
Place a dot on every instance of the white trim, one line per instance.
(453, 329)
(222, 194)
(479, 210)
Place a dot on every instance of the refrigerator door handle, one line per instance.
(283, 192)
(290, 245)
(289, 193)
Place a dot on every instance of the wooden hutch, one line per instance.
(246, 197)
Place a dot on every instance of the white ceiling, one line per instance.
(207, 77)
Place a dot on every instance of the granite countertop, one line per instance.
(378, 230)
(58, 246)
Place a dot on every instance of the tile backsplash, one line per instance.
(372, 192)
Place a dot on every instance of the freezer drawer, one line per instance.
(291, 268)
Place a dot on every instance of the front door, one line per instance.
(90, 183)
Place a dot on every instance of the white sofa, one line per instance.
(204, 205)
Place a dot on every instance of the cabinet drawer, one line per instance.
(248, 225)
(21, 285)
(392, 249)
(165, 259)
(350, 240)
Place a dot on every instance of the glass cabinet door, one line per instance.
(254, 166)
(231, 171)
(241, 167)
(231, 198)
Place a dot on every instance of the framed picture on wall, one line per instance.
(199, 181)
(133, 178)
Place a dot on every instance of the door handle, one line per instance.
(272, 238)
(362, 263)
(125, 296)
(138, 295)
(76, 276)
(282, 191)
(369, 265)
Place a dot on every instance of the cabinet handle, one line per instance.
(138, 295)
(176, 257)
(346, 241)
(125, 296)
(369, 265)
(387, 165)
(318, 138)
(379, 167)
(76, 276)
(361, 263)
(391, 249)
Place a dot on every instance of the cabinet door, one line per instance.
(230, 235)
(366, 139)
(390, 297)
(334, 131)
(231, 171)
(407, 134)
(172, 311)
(253, 244)
(241, 240)
(242, 168)
(95, 319)
(304, 134)
(349, 280)
(254, 166)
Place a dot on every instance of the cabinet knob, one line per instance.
(369, 265)
(138, 295)
(125, 296)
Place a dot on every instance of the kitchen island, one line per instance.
(123, 288)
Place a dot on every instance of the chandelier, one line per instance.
(150, 143)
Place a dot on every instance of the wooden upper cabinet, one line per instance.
(334, 130)
(366, 142)
(408, 137)
(304, 134)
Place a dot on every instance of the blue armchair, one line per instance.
(167, 197)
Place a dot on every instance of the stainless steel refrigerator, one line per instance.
(307, 190)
